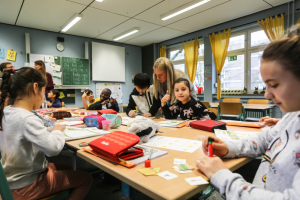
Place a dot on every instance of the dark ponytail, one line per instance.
(57, 94)
(18, 83)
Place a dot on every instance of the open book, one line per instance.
(78, 133)
(173, 123)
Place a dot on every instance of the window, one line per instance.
(176, 55)
(242, 65)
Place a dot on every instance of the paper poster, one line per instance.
(49, 59)
(57, 81)
(1, 53)
(35, 57)
(56, 74)
(11, 55)
(116, 90)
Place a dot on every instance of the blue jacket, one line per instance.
(56, 104)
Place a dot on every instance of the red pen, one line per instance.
(210, 148)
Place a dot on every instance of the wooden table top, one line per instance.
(248, 106)
(155, 186)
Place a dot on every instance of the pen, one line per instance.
(210, 148)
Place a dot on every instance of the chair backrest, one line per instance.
(258, 101)
(206, 103)
(214, 110)
(62, 104)
(231, 108)
(4, 187)
(231, 100)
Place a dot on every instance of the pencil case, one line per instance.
(61, 114)
(107, 111)
(94, 121)
(208, 125)
(115, 120)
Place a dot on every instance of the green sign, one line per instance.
(232, 58)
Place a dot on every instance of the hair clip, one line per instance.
(13, 70)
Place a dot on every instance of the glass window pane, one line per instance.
(237, 42)
(256, 80)
(259, 38)
(177, 55)
(180, 67)
(232, 76)
(201, 50)
(199, 79)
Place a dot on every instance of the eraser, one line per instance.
(147, 163)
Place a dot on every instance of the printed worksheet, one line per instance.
(226, 135)
(77, 133)
(178, 144)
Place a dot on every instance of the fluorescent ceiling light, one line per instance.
(126, 33)
(183, 8)
(99, 0)
(71, 22)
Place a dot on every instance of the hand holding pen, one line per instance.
(219, 147)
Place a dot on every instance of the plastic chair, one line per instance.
(257, 114)
(206, 103)
(214, 110)
(231, 100)
(62, 104)
(7, 195)
(231, 108)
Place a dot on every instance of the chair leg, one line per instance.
(125, 191)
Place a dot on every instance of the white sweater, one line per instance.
(24, 142)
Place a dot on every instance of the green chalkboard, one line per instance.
(75, 71)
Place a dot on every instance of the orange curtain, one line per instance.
(191, 58)
(298, 22)
(219, 45)
(163, 51)
(274, 28)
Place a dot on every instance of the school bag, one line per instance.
(208, 125)
(118, 145)
(115, 120)
(93, 120)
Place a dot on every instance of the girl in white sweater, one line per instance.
(24, 142)
(278, 176)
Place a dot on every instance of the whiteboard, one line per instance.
(108, 62)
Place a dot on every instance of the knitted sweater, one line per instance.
(278, 176)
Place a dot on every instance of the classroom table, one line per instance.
(155, 186)
(264, 108)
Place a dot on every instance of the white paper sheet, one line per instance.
(49, 58)
(48, 68)
(35, 57)
(56, 74)
(57, 81)
(77, 133)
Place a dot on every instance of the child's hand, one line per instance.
(59, 127)
(147, 115)
(165, 99)
(84, 95)
(112, 101)
(220, 147)
(131, 113)
(187, 123)
(48, 103)
(268, 121)
(105, 102)
(210, 165)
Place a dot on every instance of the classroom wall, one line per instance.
(44, 42)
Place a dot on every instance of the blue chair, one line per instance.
(7, 195)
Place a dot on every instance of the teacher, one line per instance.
(40, 65)
(164, 77)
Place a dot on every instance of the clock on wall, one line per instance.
(60, 47)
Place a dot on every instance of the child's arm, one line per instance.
(155, 106)
(85, 105)
(170, 114)
(56, 104)
(131, 106)
(96, 106)
(51, 143)
(203, 112)
(114, 105)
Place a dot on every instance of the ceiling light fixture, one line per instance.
(71, 22)
(99, 0)
(183, 8)
(126, 33)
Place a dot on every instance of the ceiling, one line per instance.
(104, 20)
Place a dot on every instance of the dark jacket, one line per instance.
(98, 106)
(49, 85)
(56, 104)
(145, 103)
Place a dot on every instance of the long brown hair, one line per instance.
(18, 85)
(166, 65)
(286, 51)
(43, 69)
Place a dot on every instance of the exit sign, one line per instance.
(232, 58)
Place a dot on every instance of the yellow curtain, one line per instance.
(274, 28)
(298, 22)
(191, 57)
(163, 51)
(219, 45)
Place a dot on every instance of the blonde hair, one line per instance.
(166, 65)
(43, 69)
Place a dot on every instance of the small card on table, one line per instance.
(167, 175)
(196, 181)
